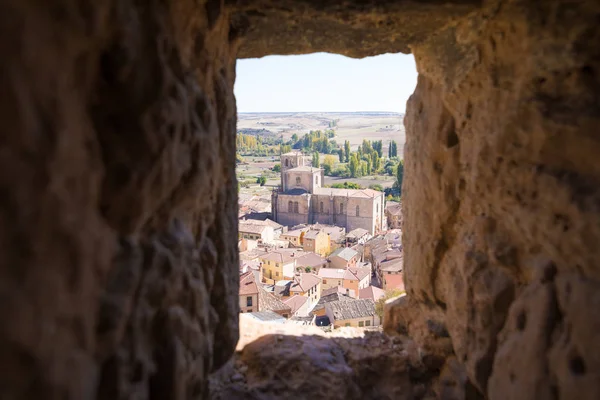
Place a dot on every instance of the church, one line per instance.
(302, 199)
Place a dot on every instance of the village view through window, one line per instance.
(319, 165)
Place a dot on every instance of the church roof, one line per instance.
(363, 193)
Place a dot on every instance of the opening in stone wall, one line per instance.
(320, 142)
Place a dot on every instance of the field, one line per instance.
(353, 127)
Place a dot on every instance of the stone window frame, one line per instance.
(358, 211)
(298, 180)
(248, 301)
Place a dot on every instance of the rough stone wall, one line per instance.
(118, 271)
(501, 197)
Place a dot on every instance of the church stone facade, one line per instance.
(301, 199)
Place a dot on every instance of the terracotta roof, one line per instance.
(393, 208)
(304, 282)
(248, 284)
(350, 309)
(357, 233)
(249, 227)
(371, 292)
(345, 252)
(395, 281)
(294, 233)
(267, 301)
(392, 265)
(356, 273)
(331, 273)
(279, 255)
(265, 316)
(296, 302)
(310, 259)
(312, 234)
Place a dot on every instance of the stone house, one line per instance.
(255, 230)
(310, 260)
(350, 279)
(269, 302)
(371, 292)
(316, 241)
(336, 293)
(298, 305)
(354, 312)
(393, 214)
(278, 265)
(248, 293)
(358, 236)
(293, 236)
(343, 258)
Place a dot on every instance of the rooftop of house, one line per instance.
(356, 193)
(293, 153)
(313, 233)
(268, 301)
(393, 265)
(371, 292)
(351, 309)
(294, 233)
(337, 293)
(394, 281)
(345, 252)
(331, 273)
(281, 255)
(310, 259)
(296, 302)
(266, 316)
(336, 233)
(252, 254)
(356, 274)
(303, 282)
(357, 233)
(393, 208)
(251, 227)
(248, 284)
(296, 191)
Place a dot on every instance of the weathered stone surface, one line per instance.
(373, 366)
(501, 194)
(118, 262)
(352, 28)
(118, 271)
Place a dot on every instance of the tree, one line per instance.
(328, 164)
(341, 155)
(347, 150)
(393, 150)
(376, 186)
(295, 137)
(315, 160)
(366, 147)
(354, 166)
(389, 294)
(376, 161)
(378, 147)
(276, 168)
(261, 180)
(400, 175)
(302, 237)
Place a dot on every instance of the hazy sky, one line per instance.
(325, 82)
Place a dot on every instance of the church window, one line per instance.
(316, 180)
(297, 180)
(321, 208)
(377, 207)
(287, 162)
(357, 211)
(290, 206)
(341, 208)
(296, 207)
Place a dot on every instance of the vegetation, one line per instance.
(393, 150)
(346, 185)
(261, 180)
(276, 168)
(347, 151)
(316, 141)
(377, 187)
(315, 160)
(399, 175)
(328, 163)
(379, 305)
